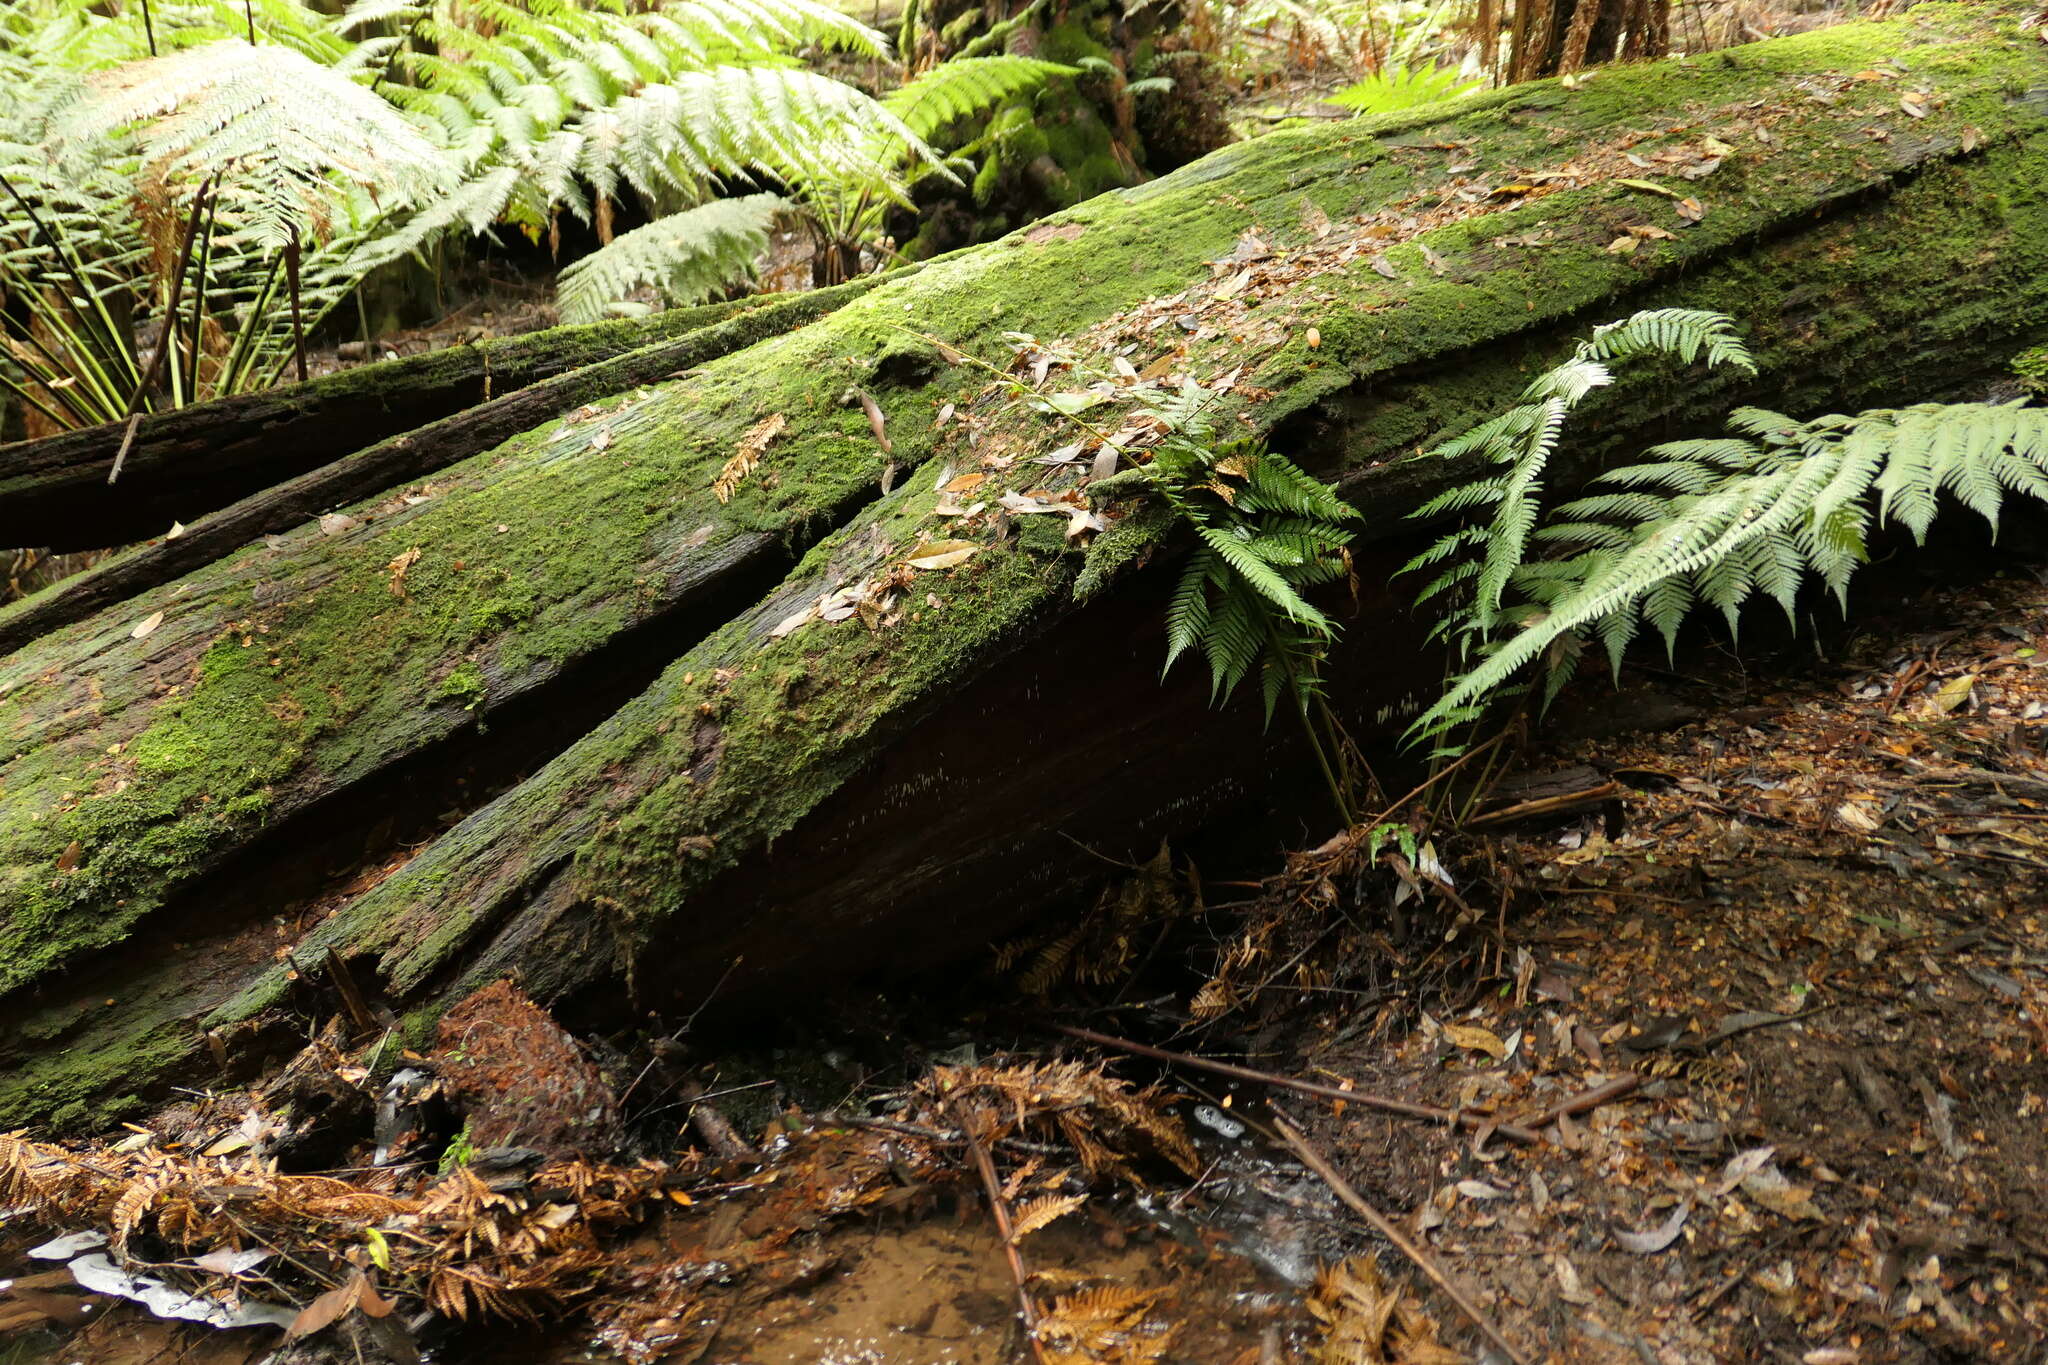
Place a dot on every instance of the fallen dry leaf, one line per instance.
(1741, 1166)
(399, 566)
(1657, 1238)
(1954, 693)
(791, 622)
(944, 554)
(876, 422)
(1473, 1038)
(146, 625)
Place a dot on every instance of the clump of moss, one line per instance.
(2031, 368)
(464, 686)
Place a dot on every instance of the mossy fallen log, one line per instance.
(186, 462)
(413, 453)
(809, 800)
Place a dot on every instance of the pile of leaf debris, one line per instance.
(1811, 923)
(513, 1218)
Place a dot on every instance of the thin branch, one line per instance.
(291, 275)
(167, 339)
(148, 28)
(1588, 1099)
(199, 294)
(1386, 1228)
(1462, 1118)
(1001, 1209)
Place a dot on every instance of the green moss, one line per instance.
(2031, 369)
(464, 686)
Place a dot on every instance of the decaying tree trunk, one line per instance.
(780, 798)
(414, 452)
(186, 462)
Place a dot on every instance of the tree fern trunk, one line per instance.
(783, 800)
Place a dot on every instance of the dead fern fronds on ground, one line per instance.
(1365, 1319)
(504, 1249)
(1109, 1123)
(1113, 938)
(1105, 1325)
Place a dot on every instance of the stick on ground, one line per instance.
(1386, 1228)
(1464, 1119)
(1001, 1209)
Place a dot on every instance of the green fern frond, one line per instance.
(294, 143)
(966, 87)
(1187, 618)
(1691, 334)
(687, 257)
(1746, 519)
(1403, 87)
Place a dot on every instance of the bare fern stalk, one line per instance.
(1700, 523)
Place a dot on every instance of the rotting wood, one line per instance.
(899, 773)
(186, 462)
(393, 461)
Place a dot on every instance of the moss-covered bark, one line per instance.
(414, 453)
(1867, 265)
(186, 462)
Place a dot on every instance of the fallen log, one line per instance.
(186, 462)
(795, 799)
(412, 454)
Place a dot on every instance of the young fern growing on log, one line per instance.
(1713, 522)
(1267, 533)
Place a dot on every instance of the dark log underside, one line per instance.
(849, 797)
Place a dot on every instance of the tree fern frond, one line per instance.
(687, 257)
(965, 87)
(291, 141)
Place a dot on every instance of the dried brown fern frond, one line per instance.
(1366, 1319)
(468, 1249)
(752, 446)
(1106, 1120)
(1041, 1212)
(1106, 946)
(1105, 1325)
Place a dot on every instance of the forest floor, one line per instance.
(1810, 926)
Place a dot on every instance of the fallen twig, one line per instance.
(1386, 1228)
(1546, 805)
(1585, 1100)
(1001, 1209)
(1463, 1118)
